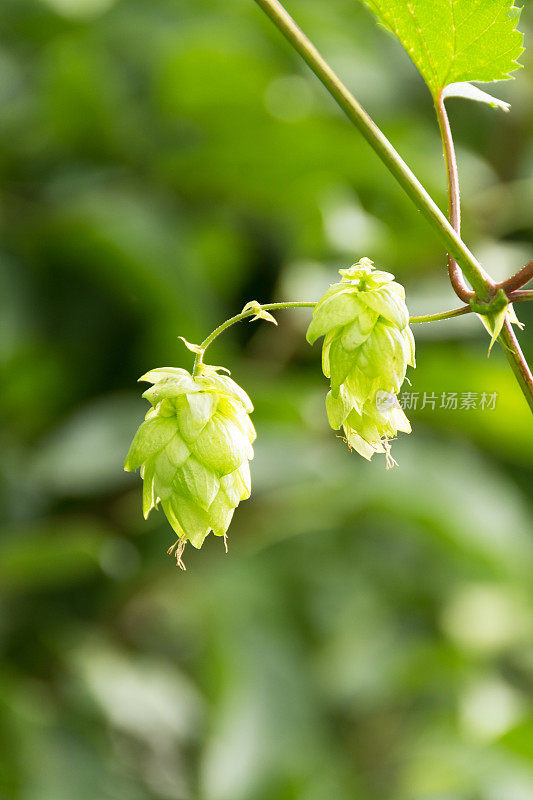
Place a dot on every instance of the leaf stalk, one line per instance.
(454, 197)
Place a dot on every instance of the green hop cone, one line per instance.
(193, 450)
(367, 347)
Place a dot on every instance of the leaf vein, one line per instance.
(492, 60)
(455, 40)
(428, 57)
(480, 36)
(470, 14)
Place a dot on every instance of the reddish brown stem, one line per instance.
(454, 199)
(518, 280)
(519, 296)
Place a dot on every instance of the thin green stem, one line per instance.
(244, 315)
(474, 272)
(514, 297)
(454, 197)
(455, 312)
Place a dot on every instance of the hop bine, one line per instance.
(367, 346)
(193, 450)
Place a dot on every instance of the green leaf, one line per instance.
(390, 303)
(220, 445)
(335, 311)
(237, 485)
(494, 322)
(194, 348)
(259, 312)
(202, 406)
(164, 373)
(149, 498)
(169, 388)
(177, 451)
(151, 437)
(199, 482)
(228, 386)
(337, 408)
(453, 41)
(220, 514)
(191, 519)
(352, 336)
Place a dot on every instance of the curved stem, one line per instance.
(518, 280)
(244, 315)
(454, 197)
(474, 272)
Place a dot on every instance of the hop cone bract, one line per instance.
(193, 450)
(367, 347)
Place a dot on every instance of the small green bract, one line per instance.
(193, 451)
(367, 346)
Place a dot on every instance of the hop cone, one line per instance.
(193, 450)
(367, 347)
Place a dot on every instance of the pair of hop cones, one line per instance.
(194, 447)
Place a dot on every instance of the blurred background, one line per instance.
(369, 636)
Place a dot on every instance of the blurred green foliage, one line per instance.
(369, 635)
